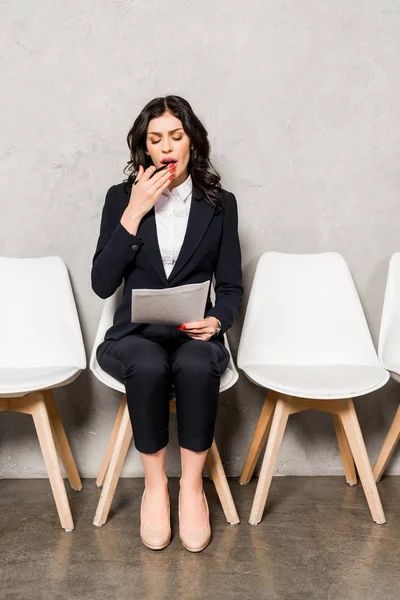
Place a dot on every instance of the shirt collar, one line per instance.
(183, 190)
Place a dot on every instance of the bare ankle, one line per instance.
(159, 484)
(191, 485)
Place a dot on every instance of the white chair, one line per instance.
(121, 434)
(41, 348)
(305, 338)
(389, 353)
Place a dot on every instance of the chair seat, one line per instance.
(394, 370)
(227, 380)
(324, 382)
(395, 375)
(16, 382)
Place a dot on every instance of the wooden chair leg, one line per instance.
(61, 441)
(259, 439)
(43, 427)
(353, 432)
(345, 452)
(122, 443)
(5, 404)
(217, 472)
(111, 444)
(389, 446)
(278, 426)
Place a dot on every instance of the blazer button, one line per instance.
(135, 247)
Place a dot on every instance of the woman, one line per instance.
(164, 229)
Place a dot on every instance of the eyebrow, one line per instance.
(160, 134)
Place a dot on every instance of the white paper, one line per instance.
(170, 306)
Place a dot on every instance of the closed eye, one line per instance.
(175, 140)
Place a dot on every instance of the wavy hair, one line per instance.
(205, 178)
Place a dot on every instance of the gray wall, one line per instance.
(301, 100)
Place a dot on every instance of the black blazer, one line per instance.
(210, 247)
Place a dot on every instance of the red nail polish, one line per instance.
(170, 178)
(182, 327)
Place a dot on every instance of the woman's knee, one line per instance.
(146, 367)
(137, 357)
(195, 357)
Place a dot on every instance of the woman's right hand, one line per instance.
(144, 195)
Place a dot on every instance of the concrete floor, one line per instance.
(315, 542)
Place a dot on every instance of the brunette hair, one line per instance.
(205, 178)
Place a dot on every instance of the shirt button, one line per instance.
(135, 247)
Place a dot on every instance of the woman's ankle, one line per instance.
(158, 484)
(192, 485)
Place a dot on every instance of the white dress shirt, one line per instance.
(172, 214)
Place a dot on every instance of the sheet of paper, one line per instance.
(170, 306)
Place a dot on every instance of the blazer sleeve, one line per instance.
(116, 248)
(228, 272)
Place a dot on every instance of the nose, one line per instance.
(165, 145)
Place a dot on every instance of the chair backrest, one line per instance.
(389, 337)
(106, 320)
(231, 366)
(39, 325)
(304, 310)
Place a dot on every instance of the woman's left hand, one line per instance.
(201, 330)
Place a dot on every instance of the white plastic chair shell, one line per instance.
(389, 337)
(41, 342)
(305, 332)
(228, 379)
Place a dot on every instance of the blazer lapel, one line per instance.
(148, 233)
(200, 216)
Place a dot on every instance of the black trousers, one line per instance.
(148, 363)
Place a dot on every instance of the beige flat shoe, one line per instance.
(155, 538)
(195, 540)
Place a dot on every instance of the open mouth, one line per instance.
(167, 161)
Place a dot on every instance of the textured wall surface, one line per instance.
(301, 101)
